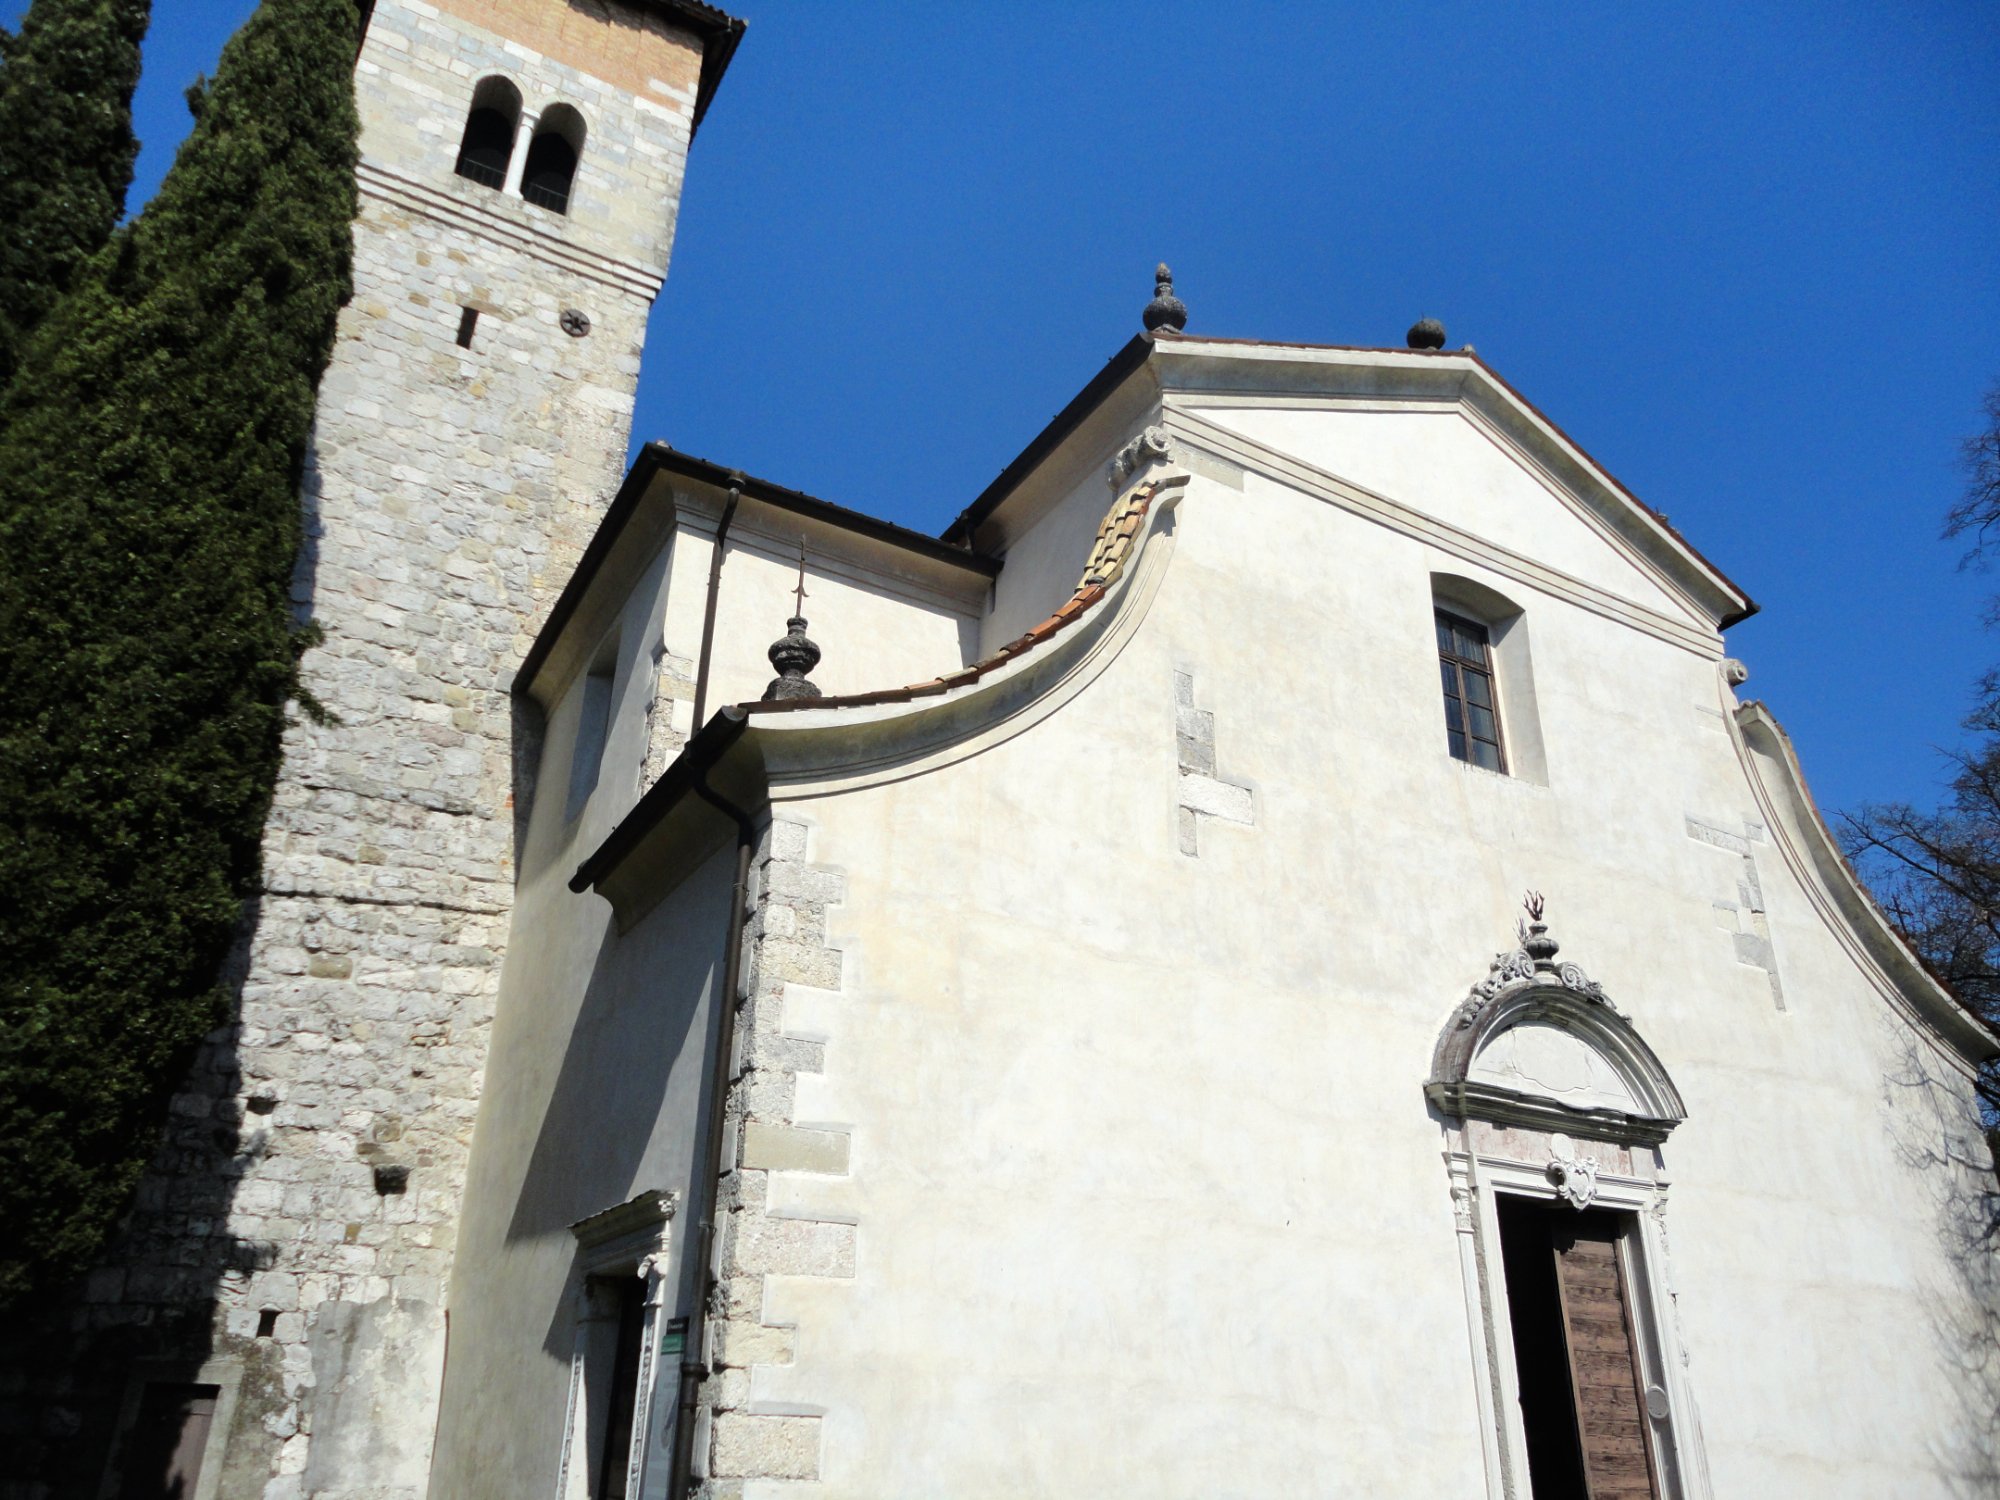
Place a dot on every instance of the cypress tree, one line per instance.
(151, 449)
(66, 149)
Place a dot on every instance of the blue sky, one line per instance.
(1747, 254)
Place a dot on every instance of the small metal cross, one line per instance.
(799, 600)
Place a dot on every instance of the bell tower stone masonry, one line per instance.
(520, 176)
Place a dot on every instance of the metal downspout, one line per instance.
(736, 483)
(694, 1364)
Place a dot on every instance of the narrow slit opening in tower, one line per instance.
(468, 319)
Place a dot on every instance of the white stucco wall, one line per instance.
(1104, 1167)
(878, 624)
(1439, 460)
(596, 1073)
(1146, 1195)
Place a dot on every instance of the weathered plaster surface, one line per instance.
(1136, 1143)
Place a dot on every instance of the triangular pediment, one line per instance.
(1445, 465)
(1438, 446)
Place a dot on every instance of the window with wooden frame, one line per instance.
(1471, 710)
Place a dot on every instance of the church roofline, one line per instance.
(744, 747)
(1141, 349)
(656, 459)
(1116, 369)
(720, 33)
(1819, 864)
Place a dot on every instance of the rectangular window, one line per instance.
(593, 727)
(1471, 715)
(468, 320)
(1583, 1407)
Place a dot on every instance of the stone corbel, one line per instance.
(1148, 448)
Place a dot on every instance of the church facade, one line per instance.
(1143, 1074)
(1273, 957)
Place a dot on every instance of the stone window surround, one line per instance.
(631, 1239)
(1525, 758)
(223, 1372)
(564, 119)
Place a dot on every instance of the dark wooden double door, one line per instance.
(1583, 1391)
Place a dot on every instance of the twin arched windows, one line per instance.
(491, 151)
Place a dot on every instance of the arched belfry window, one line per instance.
(1556, 1113)
(552, 158)
(488, 143)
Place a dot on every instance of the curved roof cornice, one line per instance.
(1811, 852)
(764, 752)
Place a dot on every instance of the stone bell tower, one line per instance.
(271, 1323)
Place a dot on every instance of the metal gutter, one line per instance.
(694, 1359)
(691, 767)
(715, 551)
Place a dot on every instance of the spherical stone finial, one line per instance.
(793, 656)
(1425, 333)
(1165, 310)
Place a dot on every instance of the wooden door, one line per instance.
(1606, 1383)
(167, 1442)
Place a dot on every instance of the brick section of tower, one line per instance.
(293, 1239)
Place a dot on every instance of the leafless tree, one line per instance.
(1937, 873)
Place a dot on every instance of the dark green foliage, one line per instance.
(66, 150)
(150, 456)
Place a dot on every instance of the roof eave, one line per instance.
(721, 34)
(966, 524)
(656, 459)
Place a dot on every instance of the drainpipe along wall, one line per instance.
(694, 1365)
(736, 483)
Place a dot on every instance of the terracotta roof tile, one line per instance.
(1108, 555)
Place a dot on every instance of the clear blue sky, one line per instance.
(1747, 254)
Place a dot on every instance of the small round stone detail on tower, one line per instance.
(1165, 310)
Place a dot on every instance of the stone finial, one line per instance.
(1165, 310)
(794, 655)
(1425, 333)
(1535, 939)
